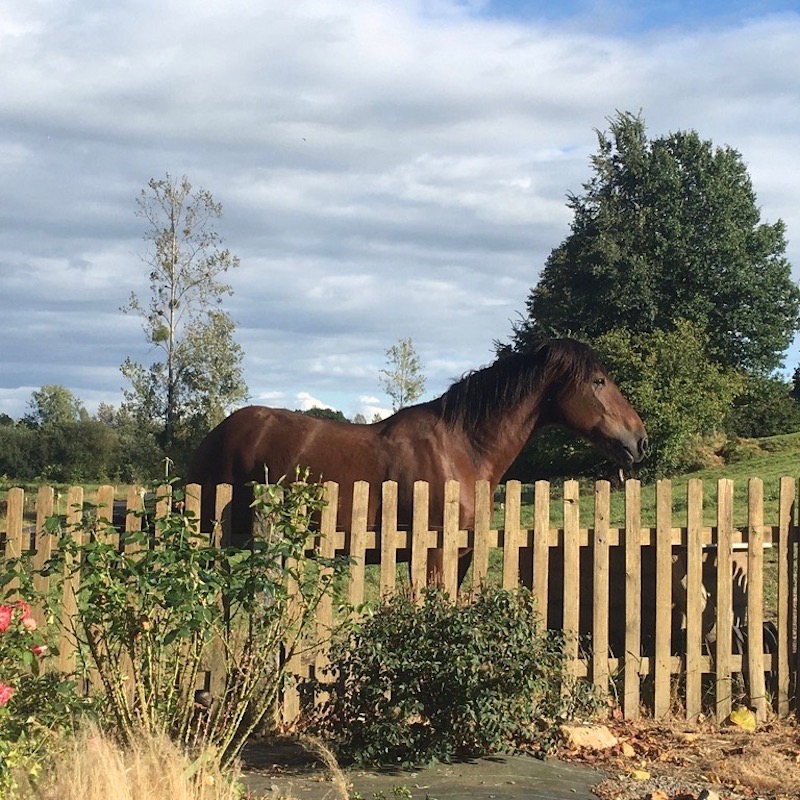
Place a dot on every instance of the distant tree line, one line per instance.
(59, 441)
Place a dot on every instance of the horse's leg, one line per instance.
(464, 561)
(241, 517)
(526, 567)
(435, 572)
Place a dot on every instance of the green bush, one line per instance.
(441, 680)
(766, 407)
(682, 395)
(153, 608)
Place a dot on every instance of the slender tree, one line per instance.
(198, 376)
(403, 381)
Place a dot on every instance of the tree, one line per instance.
(53, 405)
(199, 377)
(403, 381)
(668, 229)
(325, 413)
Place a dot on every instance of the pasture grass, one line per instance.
(770, 458)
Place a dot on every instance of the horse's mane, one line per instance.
(480, 395)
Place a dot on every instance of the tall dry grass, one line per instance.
(94, 767)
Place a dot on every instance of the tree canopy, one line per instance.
(664, 230)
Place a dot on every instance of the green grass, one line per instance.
(770, 459)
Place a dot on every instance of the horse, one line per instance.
(472, 432)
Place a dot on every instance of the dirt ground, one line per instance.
(677, 761)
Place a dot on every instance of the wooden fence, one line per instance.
(668, 616)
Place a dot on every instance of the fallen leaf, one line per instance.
(744, 718)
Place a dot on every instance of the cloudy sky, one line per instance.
(387, 168)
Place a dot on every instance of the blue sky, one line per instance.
(387, 168)
(631, 17)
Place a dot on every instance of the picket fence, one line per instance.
(668, 619)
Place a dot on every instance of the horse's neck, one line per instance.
(506, 435)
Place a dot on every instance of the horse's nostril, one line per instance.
(643, 445)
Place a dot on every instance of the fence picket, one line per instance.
(513, 535)
(695, 599)
(571, 569)
(724, 599)
(662, 675)
(43, 544)
(600, 560)
(633, 593)
(483, 525)
(784, 620)
(388, 577)
(451, 533)
(358, 542)
(67, 645)
(755, 593)
(541, 546)
(327, 549)
(419, 535)
(15, 515)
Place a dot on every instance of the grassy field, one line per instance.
(769, 459)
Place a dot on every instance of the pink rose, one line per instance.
(29, 623)
(24, 608)
(6, 692)
(5, 617)
(40, 650)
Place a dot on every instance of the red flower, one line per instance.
(5, 617)
(40, 650)
(5, 693)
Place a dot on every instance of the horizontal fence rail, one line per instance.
(690, 612)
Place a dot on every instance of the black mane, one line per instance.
(480, 395)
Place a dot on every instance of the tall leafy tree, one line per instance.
(53, 405)
(198, 375)
(403, 380)
(668, 229)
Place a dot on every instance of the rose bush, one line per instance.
(35, 703)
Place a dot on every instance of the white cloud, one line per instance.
(387, 169)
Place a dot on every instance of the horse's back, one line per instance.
(258, 438)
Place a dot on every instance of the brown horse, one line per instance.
(472, 432)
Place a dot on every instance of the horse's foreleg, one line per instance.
(435, 571)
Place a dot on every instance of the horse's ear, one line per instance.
(544, 349)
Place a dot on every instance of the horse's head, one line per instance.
(587, 401)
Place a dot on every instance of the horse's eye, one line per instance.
(599, 382)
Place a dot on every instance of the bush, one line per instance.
(35, 705)
(681, 394)
(766, 407)
(440, 680)
(151, 609)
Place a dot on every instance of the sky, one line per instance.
(388, 169)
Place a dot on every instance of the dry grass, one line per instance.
(94, 767)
